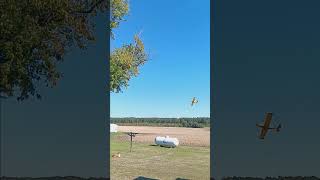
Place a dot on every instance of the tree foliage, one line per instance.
(35, 36)
(119, 9)
(125, 61)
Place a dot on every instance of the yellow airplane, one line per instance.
(194, 101)
(266, 126)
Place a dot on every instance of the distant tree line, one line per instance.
(198, 122)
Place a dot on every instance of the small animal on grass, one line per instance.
(116, 155)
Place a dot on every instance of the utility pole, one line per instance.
(131, 134)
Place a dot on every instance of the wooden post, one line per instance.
(131, 141)
(131, 134)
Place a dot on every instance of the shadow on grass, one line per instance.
(144, 178)
(160, 146)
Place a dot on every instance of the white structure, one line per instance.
(166, 141)
(113, 128)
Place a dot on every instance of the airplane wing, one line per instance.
(263, 133)
(267, 120)
(265, 126)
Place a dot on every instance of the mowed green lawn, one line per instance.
(150, 161)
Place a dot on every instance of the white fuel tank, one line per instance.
(113, 128)
(166, 141)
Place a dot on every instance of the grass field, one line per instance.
(150, 161)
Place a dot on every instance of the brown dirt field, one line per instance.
(186, 136)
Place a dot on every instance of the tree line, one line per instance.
(197, 122)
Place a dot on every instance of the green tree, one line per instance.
(35, 36)
(125, 61)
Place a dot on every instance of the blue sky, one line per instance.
(177, 39)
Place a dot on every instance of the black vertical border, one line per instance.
(108, 92)
(1, 141)
(107, 107)
(212, 90)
